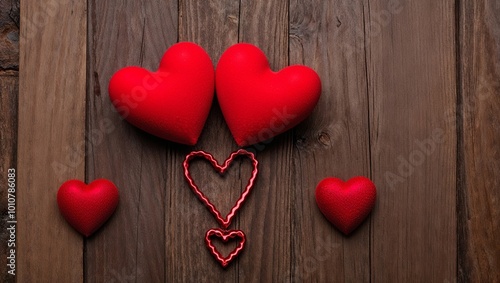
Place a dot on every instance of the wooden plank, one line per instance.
(131, 247)
(9, 89)
(410, 51)
(214, 26)
(266, 217)
(51, 137)
(334, 141)
(479, 194)
(9, 35)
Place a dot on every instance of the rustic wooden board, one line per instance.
(334, 141)
(9, 36)
(479, 193)
(410, 54)
(266, 218)
(9, 88)
(8, 141)
(51, 145)
(214, 26)
(410, 99)
(123, 33)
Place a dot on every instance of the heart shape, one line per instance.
(225, 235)
(87, 207)
(221, 169)
(346, 204)
(258, 103)
(172, 103)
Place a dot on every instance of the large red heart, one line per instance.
(221, 169)
(258, 103)
(87, 207)
(225, 235)
(172, 103)
(346, 204)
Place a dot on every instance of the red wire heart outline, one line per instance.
(225, 235)
(221, 169)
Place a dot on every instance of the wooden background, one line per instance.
(411, 99)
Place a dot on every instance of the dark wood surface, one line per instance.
(411, 84)
(134, 245)
(334, 139)
(411, 99)
(9, 89)
(51, 137)
(478, 130)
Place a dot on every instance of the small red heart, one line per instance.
(346, 204)
(258, 103)
(172, 103)
(225, 235)
(87, 207)
(221, 169)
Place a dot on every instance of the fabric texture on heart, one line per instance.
(346, 204)
(87, 207)
(172, 103)
(225, 236)
(258, 103)
(221, 169)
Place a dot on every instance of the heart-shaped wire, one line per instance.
(225, 235)
(221, 169)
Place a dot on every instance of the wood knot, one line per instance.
(233, 19)
(324, 139)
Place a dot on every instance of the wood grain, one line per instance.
(51, 137)
(266, 218)
(334, 141)
(410, 98)
(479, 194)
(8, 141)
(410, 53)
(132, 244)
(214, 26)
(9, 36)
(9, 89)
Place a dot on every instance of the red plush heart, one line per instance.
(221, 169)
(346, 204)
(225, 235)
(87, 207)
(172, 103)
(258, 103)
